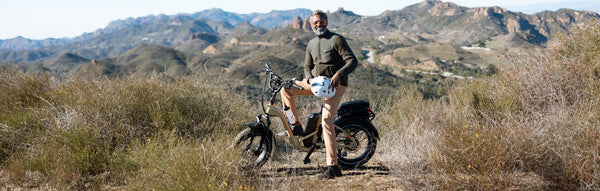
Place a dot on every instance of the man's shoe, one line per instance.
(297, 130)
(331, 172)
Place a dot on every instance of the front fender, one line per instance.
(257, 127)
(261, 129)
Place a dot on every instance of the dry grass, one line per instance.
(90, 134)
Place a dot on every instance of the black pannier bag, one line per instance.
(356, 108)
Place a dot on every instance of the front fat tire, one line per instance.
(254, 149)
(367, 143)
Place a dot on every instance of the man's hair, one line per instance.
(317, 12)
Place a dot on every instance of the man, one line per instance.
(328, 54)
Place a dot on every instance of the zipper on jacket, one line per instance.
(318, 64)
(319, 49)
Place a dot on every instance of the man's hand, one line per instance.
(308, 80)
(335, 80)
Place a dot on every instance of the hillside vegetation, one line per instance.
(133, 132)
(533, 126)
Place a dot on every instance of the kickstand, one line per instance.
(307, 158)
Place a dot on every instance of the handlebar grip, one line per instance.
(293, 83)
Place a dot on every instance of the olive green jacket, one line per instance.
(327, 54)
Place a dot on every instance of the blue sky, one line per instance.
(39, 19)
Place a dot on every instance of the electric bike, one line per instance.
(356, 136)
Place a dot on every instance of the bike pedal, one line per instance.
(307, 158)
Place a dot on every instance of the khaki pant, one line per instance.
(329, 113)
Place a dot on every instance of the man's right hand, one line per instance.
(308, 80)
(335, 80)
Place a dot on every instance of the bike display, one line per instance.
(356, 136)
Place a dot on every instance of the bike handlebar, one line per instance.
(275, 83)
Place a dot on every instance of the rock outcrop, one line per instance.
(445, 9)
(297, 23)
(210, 50)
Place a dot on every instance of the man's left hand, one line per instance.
(335, 80)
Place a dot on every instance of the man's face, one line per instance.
(318, 25)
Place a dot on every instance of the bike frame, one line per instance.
(294, 140)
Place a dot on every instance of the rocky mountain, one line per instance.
(171, 31)
(341, 18)
(275, 18)
(269, 20)
(448, 22)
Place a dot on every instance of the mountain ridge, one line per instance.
(276, 18)
(454, 23)
(430, 20)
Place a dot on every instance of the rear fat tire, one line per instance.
(254, 148)
(362, 153)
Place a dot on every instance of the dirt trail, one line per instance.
(286, 170)
(367, 177)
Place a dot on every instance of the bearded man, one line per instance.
(328, 54)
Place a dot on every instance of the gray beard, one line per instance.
(319, 33)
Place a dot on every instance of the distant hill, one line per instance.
(20, 43)
(64, 63)
(246, 28)
(146, 58)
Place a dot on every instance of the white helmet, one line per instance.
(320, 87)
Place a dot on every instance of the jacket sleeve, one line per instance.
(347, 56)
(308, 64)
